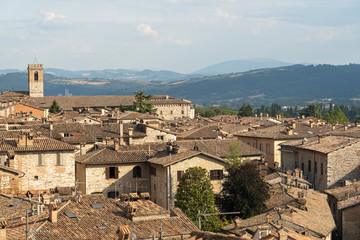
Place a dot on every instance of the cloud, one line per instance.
(145, 29)
(182, 42)
(222, 14)
(81, 49)
(326, 34)
(51, 17)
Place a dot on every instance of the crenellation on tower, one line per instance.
(36, 80)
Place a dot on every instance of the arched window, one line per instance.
(137, 172)
(36, 76)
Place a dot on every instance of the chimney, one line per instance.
(121, 133)
(255, 115)
(261, 116)
(237, 222)
(297, 116)
(130, 136)
(82, 149)
(123, 232)
(293, 125)
(297, 173)
(7, 127)
(11, 157)
(51, 127)
(289, 131)
(303, 116)
(312, 124)
(107, 141)
(345, 127)
(3, 224)
(300, 173)
(320, 138)
(267, 115)
(333, 127)
(288, 177)
(116, 145)
(268, 218)
(53, 213)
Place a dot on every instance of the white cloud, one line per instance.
(182, 42)
(326, 34)
(222, 14)
(145, 29)
(82, 49)
(51, 17)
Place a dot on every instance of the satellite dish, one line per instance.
(133, 236)
(57, 200)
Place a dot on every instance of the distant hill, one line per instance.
(234, 66)
(289, 85)
(122, 74)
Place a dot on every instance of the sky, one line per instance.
(176, 35)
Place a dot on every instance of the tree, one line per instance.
(335, 116)
(140, 105)
(54, 108)
(245, 111)
(195, 193)
(234, 155)
(244, 190)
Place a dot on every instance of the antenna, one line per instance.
(35, 60)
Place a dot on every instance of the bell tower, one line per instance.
(36, 80)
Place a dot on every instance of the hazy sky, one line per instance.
(178, 35)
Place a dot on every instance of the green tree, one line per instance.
(311, 110)
(140, 104)
(244, 190)
(245, 111)
(234, 155)
(335, 116)
(54, 108)
(195, 193)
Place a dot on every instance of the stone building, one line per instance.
(345, 206)
(36, 80)
(117, 169)
(268, 139)
(326, 162)
(46, 163)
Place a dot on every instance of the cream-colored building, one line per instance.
(44, 163)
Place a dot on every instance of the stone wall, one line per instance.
(344, 164)
(50, 175)
(9, 182)
(161, 178)
(174, 111)
(125, 183)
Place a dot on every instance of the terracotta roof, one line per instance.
(206, 132)
(279, 132)
(39, 144)
(345, 192)
(327, 145)
(316, 218)
(11, 170)
(165, 159)
(103, 222)
(110, 156)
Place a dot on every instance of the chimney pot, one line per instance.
(53, 212)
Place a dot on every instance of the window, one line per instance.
(216, 174)
(152, 171)
(171, 112)
(66, 134)
(59, 159)
(322, 169)
(113, 194)
(36, 76)
(41, 160)
(302, 166)
(182, 112)
(137, 172)
(161, 113)
(315, 167)
(261, 147)
(36, 178)
(309, 166)
(179, 175)
(267, 148)
(160, 138)
(112, 173)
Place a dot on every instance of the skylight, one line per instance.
(70, 214)
(97, 205)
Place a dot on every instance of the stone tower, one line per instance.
(36, 80)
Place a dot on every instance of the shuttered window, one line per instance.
(112, 172)
(216, 174)
(59, 159)
(41, 159)
(179, 175)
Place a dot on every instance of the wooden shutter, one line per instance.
(211, 174)
(116, 172)
(179, 175)
(107, 172)
(221, 174)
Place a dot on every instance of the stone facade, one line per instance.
(174, 111)
(164, 184)
(9, 182)
(46, 176)
(93, 179)
(36, 112)
(323, 170)
(36, 80)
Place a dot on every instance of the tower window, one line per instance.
(36, 76)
